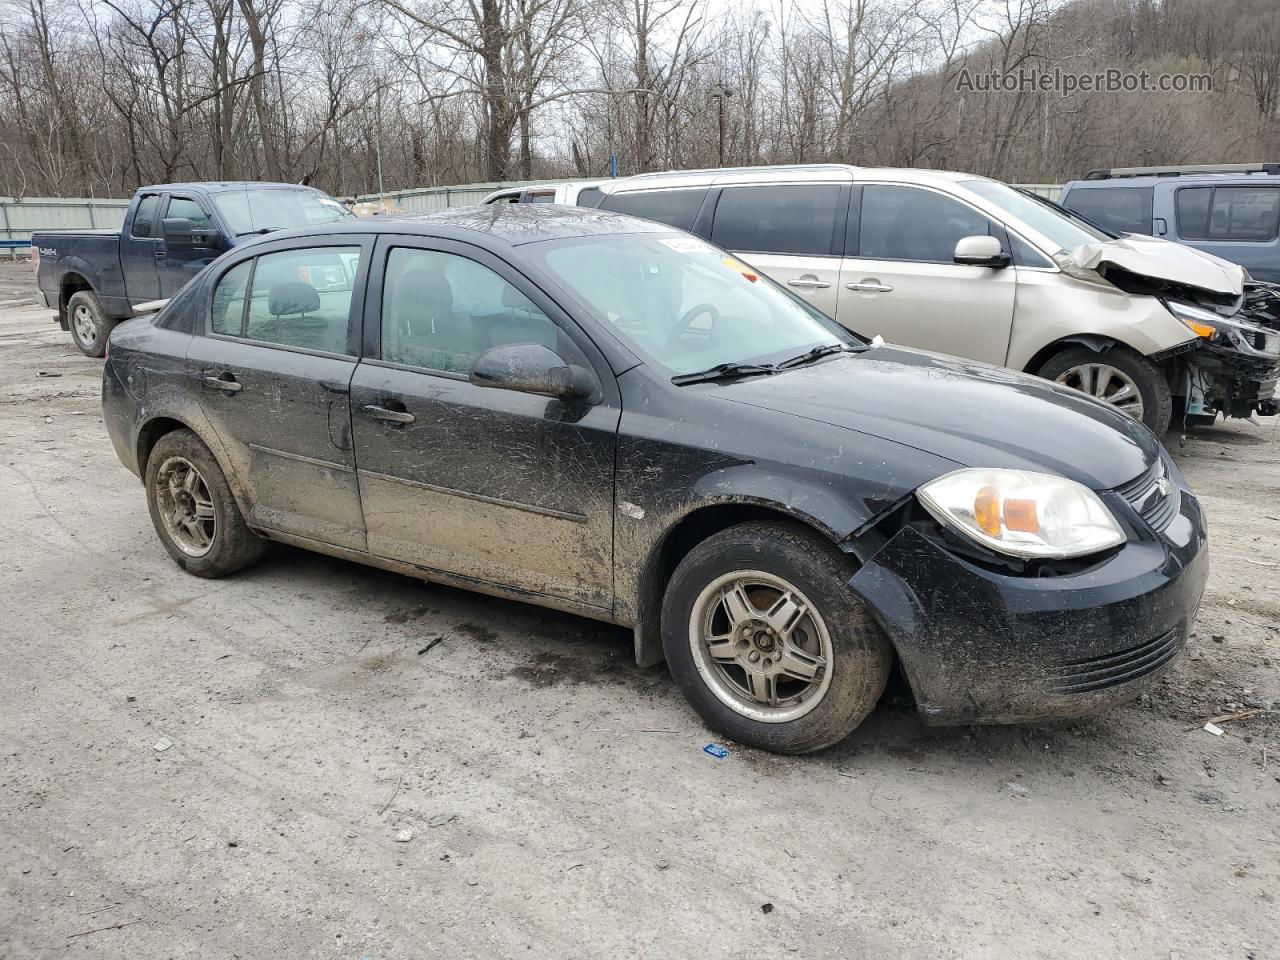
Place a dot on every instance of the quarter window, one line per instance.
(441, 311)
(790, 219)
(676, 208)
(906, 223)
(1228, 213)
(296, 298)
(144, 216)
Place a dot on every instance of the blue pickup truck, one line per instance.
(1229, 210)
(96, 278)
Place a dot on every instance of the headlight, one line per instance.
(1206, 323)
(1022, 514)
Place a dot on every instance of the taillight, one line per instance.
(35, 259)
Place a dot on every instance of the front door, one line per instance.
(183, 259)
(490, 485)
(791, 232)
(900, 281)
(275, 368)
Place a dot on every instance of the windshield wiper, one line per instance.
(246, 233)
(723, 371)
(817, 353)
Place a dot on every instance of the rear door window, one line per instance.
(912, 224)
(796, 219)
(1118, 209)
(1229, 213)
(676, 208)
(144, 216)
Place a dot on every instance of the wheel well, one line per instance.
(663, 560)
(73, 283)
(1092, 341)
(150, 435)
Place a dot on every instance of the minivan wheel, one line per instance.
(193, 510)
(768, 643)
(1126, 380)
(89, 326)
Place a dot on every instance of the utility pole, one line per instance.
(718, 93)
(378, 144)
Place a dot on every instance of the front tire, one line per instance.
(1118, 377)
(767, 642)
(193, 510)
(90, 327)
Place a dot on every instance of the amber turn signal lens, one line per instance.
(986, 510)
(1200, 329)
(1020, 515)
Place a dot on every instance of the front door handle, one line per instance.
(225, 382)
(808, 282)
(376, 412)
(869, 286)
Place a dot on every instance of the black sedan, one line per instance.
(603, 415)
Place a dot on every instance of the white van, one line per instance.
(969, 266)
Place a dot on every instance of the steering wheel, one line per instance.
(683, 324)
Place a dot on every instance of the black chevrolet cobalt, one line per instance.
(603, 415)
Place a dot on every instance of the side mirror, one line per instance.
(180, 230)
(980, 251)
(533, 368)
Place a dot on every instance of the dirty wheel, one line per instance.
(768, 643)
(1118, 377)
(193, 510)
(89, 326)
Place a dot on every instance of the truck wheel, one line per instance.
(193, 510)
(768, 643)
(1126, 380)
(89, 326)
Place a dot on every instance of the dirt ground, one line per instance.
(558, 799)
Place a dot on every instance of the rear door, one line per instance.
(493, 486)
(141, 248)
(182, 259)
(899, 278)
(794, 233)
(274, 369)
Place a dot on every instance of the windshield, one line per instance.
(255, 211)
(1054, 224)
(688, 305)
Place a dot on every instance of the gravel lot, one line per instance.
(558, 798)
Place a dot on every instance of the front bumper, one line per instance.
(980, 646)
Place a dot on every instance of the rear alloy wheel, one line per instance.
(767, 642)
(1119, 378)
(193, 510)
(89, 326)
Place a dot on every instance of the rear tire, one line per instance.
(194, 511)
(791, 689)
(90, 327)
(1106, 375)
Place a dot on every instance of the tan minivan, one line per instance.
(964, 265)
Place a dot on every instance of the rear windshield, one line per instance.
(1119, 209)
(261, 211)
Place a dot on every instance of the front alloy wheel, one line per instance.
(1118, 377)
(1104, 382)
(761, 646)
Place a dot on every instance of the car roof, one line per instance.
(791, 173)
(1183, 179)
(512, 224)
(223, 186)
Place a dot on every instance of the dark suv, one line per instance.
(1231, 211)
(608, 416)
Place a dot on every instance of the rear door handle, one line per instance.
(869, 287)
(376, 412)
(808, 283)
(225, 382)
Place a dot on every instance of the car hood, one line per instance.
(1162, 260)
(970, 413)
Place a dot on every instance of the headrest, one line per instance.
(292, 296)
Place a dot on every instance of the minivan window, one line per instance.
(296, 298)
(1119, 209)
(441, 311)
(683, 302)
(909, 223)
(796, 219)
(1060, 228)
(676, 208)
(1228, 213)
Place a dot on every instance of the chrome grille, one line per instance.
(1153, 495)
(1082, 676)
